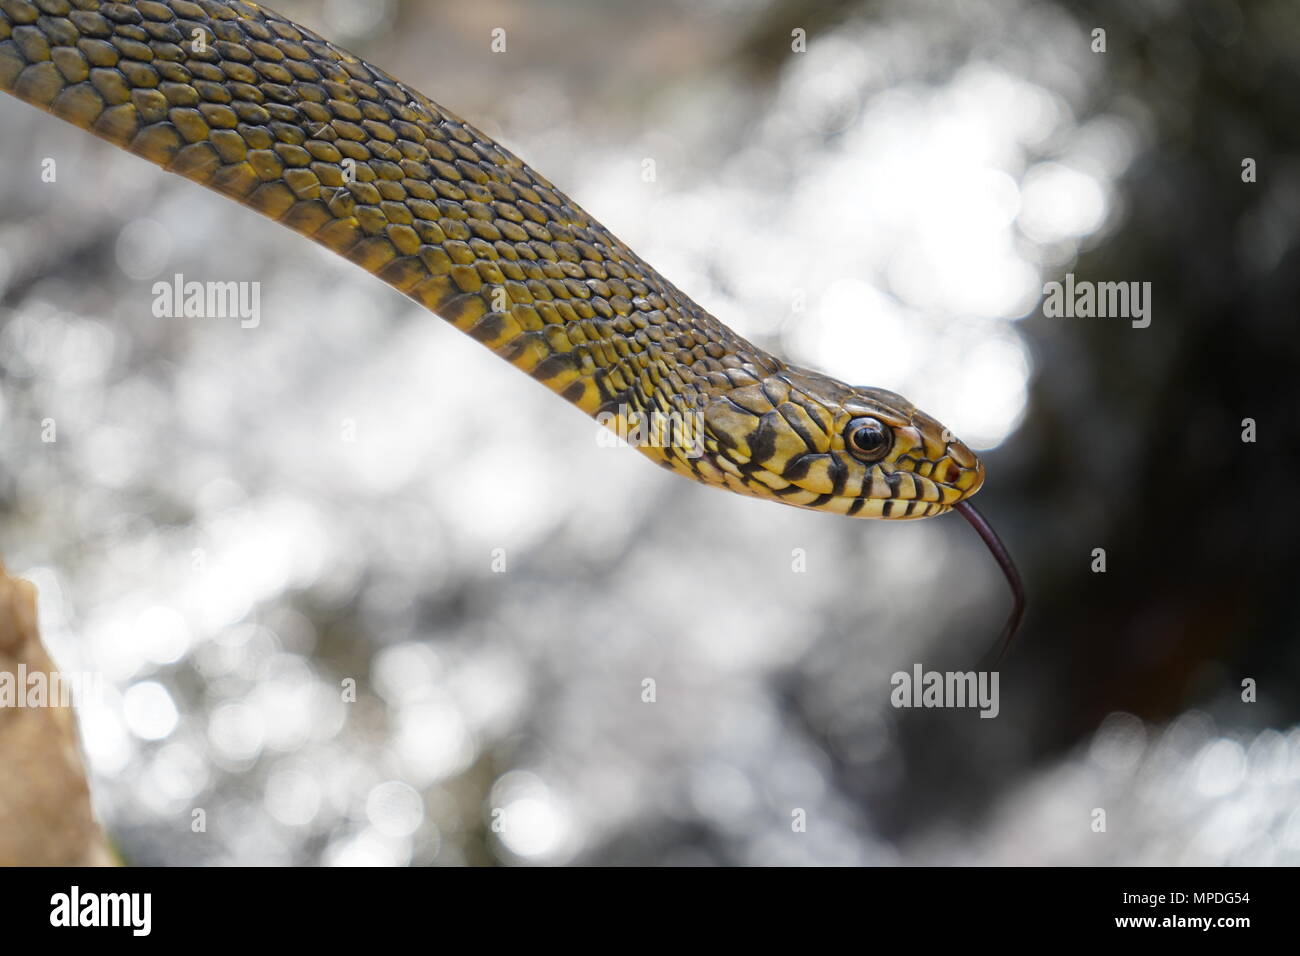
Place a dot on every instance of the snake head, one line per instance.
(808, 440)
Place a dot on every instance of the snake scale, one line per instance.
(245, 102)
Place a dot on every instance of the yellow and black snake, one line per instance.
(248, 103)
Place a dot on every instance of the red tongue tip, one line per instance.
(1003, 557)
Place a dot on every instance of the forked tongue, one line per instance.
(1008, 566)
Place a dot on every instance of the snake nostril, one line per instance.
(945, 471)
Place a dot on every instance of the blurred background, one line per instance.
(234, 524)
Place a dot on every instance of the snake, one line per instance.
(264, 111)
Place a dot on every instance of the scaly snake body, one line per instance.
(245, 102)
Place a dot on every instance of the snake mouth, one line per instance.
(896, 509)
(910, 488)
(900, 494)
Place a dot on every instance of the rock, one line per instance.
(45, 813)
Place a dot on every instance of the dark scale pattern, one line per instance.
(245, 102)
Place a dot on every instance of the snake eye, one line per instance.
(868, 439)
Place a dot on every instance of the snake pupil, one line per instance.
(868, 439)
